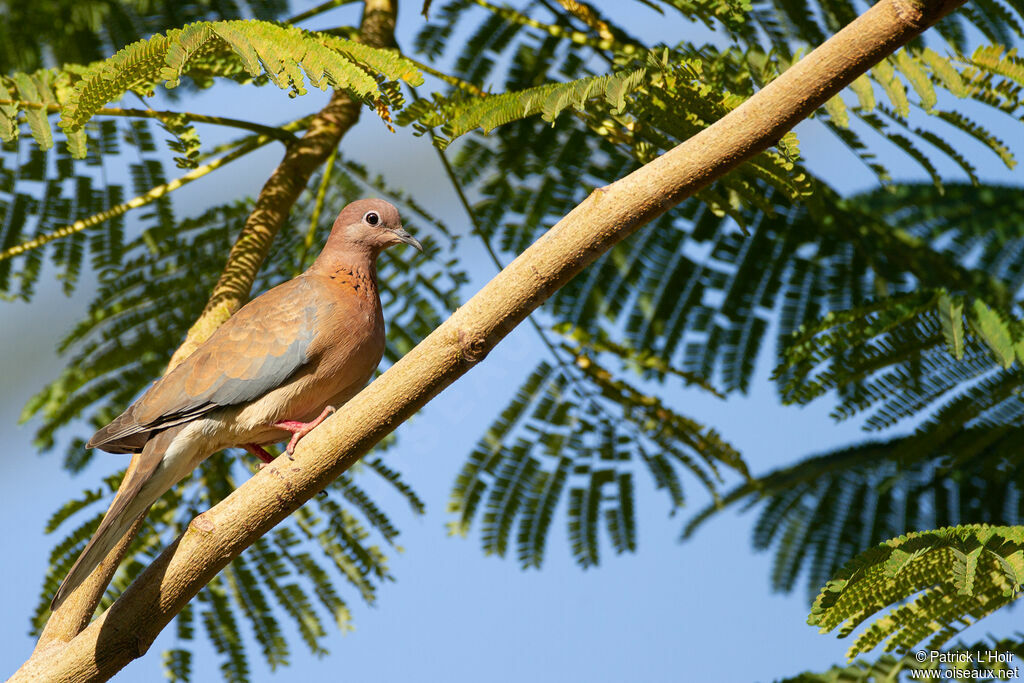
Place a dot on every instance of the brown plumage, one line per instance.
(271, 372)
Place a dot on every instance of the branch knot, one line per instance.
(473, 346)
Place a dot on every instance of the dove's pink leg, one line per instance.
(258, 451)
(300, 429)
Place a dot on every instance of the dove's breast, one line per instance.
(347, 347)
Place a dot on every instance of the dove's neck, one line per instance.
(357, 265)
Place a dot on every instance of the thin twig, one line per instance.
(319, 9)
(589, 16)
(447, 78)
(603, 54)
(290, 127)
(143, 199)
(270, 131)
(570, 34)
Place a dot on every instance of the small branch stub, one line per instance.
(473, 348)
(202, 524)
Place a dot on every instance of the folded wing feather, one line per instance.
(255, 351)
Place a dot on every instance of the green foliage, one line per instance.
(93, 29)
(950, 577)
(898, 355)
(994, 331)
(205, 51)
(185, 140)
(988, 77)
(951, 313)
(282, 53)
(793, 266)
(928, 356)
(545, 170)
(922, 281)
(457, 116)
(241, 50)
(890, 669)
(43, 190)
(820, 512)
(691, 289)
(629, 108)
(892, 353)
(961, 464)
(581, 436)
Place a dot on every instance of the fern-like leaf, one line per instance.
(283, 54)
(951, 577)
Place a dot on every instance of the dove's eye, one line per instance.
(372, 218)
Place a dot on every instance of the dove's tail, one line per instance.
(147, 478)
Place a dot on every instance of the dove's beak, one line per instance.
(405, 237)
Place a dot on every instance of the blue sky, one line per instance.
(698, 611)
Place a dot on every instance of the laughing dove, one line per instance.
(273, 371)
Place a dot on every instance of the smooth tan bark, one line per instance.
(606, 217)
(247, 255)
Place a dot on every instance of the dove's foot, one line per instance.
(300, 429)
(258, 451)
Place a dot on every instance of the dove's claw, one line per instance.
(300, 429)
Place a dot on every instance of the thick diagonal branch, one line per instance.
(250, 250)
(605, 218)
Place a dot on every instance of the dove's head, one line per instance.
(369, 225)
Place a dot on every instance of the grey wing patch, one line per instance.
(266, 373)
